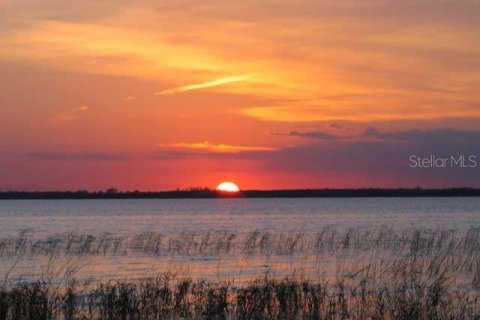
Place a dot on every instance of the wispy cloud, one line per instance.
(203, 85)
(65, 156)
(413, 136)
(309, 134)
(372, 134)
(72, 115)
(208, 147)
(315, 111)
(336, 126)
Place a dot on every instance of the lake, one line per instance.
(44, 217)
(215, 238)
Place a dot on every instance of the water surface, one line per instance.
(190, 235)
(174, 215)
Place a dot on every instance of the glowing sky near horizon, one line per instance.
(268, 94)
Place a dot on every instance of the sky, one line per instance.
(160, 95)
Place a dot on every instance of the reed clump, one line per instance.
(404, 297)
(327, 241)
(382, 274)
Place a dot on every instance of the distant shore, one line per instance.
(208, 193)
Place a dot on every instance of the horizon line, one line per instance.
(205, 193)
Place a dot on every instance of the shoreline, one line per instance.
(212, 194)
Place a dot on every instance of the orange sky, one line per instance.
(269, 94)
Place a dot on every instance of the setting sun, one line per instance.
(228, 186)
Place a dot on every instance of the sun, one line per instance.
(228, 186)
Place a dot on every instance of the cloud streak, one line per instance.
(203, 85)
(309, 135)
(207, 147)
(373, 134)
(89, 156)
(318, 111)
(72, 115)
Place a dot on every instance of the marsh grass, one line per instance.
(405, 297)
(381, 274)
(327, 241)
(354, 248)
